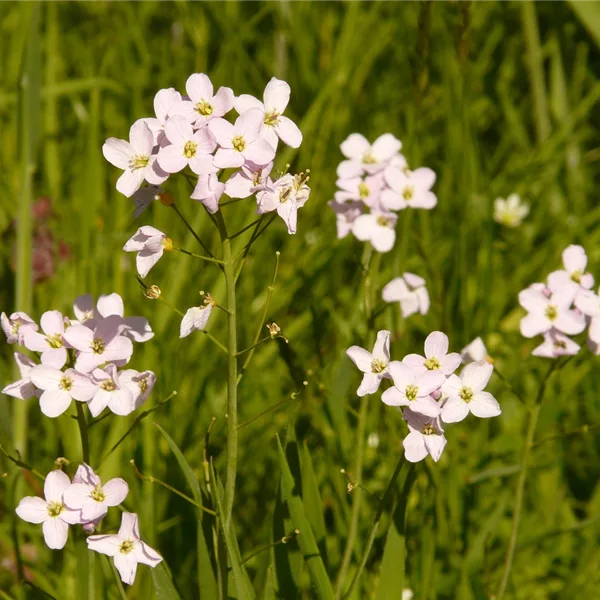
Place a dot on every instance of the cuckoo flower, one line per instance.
(126, 548)
(164, 101)
(413, 389)
(245, 182)
(208, 191)
(275, 126)
(149, 243)
(376, 227)
(51, 512)
(573, 275)
(135, 158)
(203, 104)
(346, 214)
(474, 352)
(546, 312)
(410, 291)
(374, 365)
(59, 388)
(102, 344)
(367, 190)
(51, 342)
(426, 436)
(409, 189)
(465, 394)
(187, 148)
(241, 142)
(195, 318)
(556, 344)
(136, 328)
(365, 157)
(510, 212)
(16, 325)
(140, 384)
(436, 356)
(91, 497)
(23, 388)
(111, 392)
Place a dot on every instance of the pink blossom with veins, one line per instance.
(24, 387)
(376, 227)
(208, 192)
(556, 344)
(59, 388)
(410, 291)
(135, 158)
(245, 182)
(150, 244)
(413, 389)
(374, 365)
(346, 214)
(16, 325)
(546, 313)
(111, 393)
(364, 157)
(91, 497)
(51, 511)
(436, 356)
(410, 189)
(187, 148)
(573, 275)
(164, 101)
(203, 104)
(274, 125)
(139, 383)
(367, 190)
(241, 142)
(102, 344)
(126, 548)
(426, 436)
(51, 343)
(465, 394)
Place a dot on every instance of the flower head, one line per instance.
(556, 344)
(24, 388)
(376, 227)
(410, 291)
(409, 189)
(510, 212)
(51, 343)
(436, 356)
(573, 275)
(139, 383)
(374, 364)
(16, 325)
(195, 318)
(248, 180)
(208, 191)
(149, 243)
(346, 214)
(111, 393)
(364, 157)
(474, 352)
(426, 436)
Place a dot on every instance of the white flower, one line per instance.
(410, 291)
(474, 352)
(16, 325)
(409, 189)
(436, 356)
(374, 365)
(426, 436)
(573, 275)
(377, 228)
(24, 387)
(139, 383)
(149, 243)
(556, 344)
(208, 191)
(164, 101)
(195, 317)
(364, 157)
(346, 214)
(510, 212)
(50, 343)
(111, 392)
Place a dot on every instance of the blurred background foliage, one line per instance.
(496, 97)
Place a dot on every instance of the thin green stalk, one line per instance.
(265, 339)
(83, 431)
(192, 230)
(212, 260)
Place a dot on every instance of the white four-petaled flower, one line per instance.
(410, 291)
(436, 356)
(150, 244)
(374, 365)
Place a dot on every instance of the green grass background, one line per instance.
(496, 97)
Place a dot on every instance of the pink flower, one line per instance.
(556, 344)
(364, 157)
(140, 384)
(136, 328)
(377, 228)
(16, 325)
(374, 365)
(59, 388)
(99, 345)
(426, 436)
(92, 498)
(436, 356)
(275, 126)
(111, 392)
(135, 158)
(409, 189)
(346, 214)
(410, 291)
(149, 243)
(573, 275)
(50, 343)
(413, 389)
(244, 183)
(203, 104)
(367, 191)
(164, 101)
(241, 142)
(23, 388)
(546, 313)
(465, 394)
(195, 318)
(208, 191)
(187, 148)
(126, 547)
(51, 512)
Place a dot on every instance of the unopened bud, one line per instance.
(153, 292)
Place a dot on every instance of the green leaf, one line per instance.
(163, 584)
(306, 538)
(312, 497)
(589, 15)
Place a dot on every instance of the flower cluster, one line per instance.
(563, 306)
(190, 131)
(375, 182)
(85, 501)
(410, 292)
(427, 389)
(79, 358)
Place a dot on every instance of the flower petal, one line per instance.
(32, 509)
(56, 532)
(55, 485)
(484, 405)
(436, 345)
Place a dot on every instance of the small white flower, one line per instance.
(195, 317)
(24, 387)
(374, 365)
(510, 212)
(436, 356)
(410, 291)
(426, 436)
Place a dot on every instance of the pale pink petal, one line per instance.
(79, 336)
(83, 388)
(172, 159)
(574, 259)
(121, 402)
(239, 186)
(364, 227)
(71, 517)
(369, 384)
(129, 526)
(534, 324)
(223, 101)
(452, 386)
(138, 329)
(46, 377)
(245, 102)
(395, 290)
(56, 532)
(391, 200)
(454, 410)
(105, 544)
(32, 509)
(223, 131)
(349, 168)
(436, 345)
(413, 280)
(202, 164)
(383, 240)
(54, 403)
(147, 555)
(409, 305)
(276, 96)
(130, 182)
(126, 564)
(361, 358)
(55, 485)
(415, 362)
(532, 300)
(163, 102)
(99, 402)
(385, 146)
(393, 397)
(226, 158)
(117, 152)
(476, 375)
(53, 323)
(55, 357)
(199, 87)
(75, 495)
(435, 445)
(414, 447)
(355, 145)
(594, 330)
(111, 304)
(116, 491)
(259, 151)
(401, 374)
(269, 133)
(22, 389)
(430, 381)
(450, 363)
(141, 138)
(92, 509)
(423, 177)
(425, 405)
(424, 199)
(570, 322)
(558, 280)
(146, 260)
(289, 132)
(382, 345)
(484, 405)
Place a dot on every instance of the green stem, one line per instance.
(265, 339)
(83, 431)
(212, 260)
(192, 230)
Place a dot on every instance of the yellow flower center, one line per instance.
(98, 494)
(408, 192)
(369, 159)
(139, 162)
(109, 385)
(378, 366)
(363, 190)
(143, 384)
(271, 118)
(66, 383)
(204, 108)
(432, 364)
(55, 508)
(411, 392)
(576, 276)
(382, 221)
(466, 394)
(189, 150)
(239, 143)
(551, 312)
(127, 546)
(55, 341)
(428, 429)
(167, 244)
(97, 346)
(559, 345)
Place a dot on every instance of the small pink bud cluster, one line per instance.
(427, 390)
(375, 182)
(80, 358)
(563, 306)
